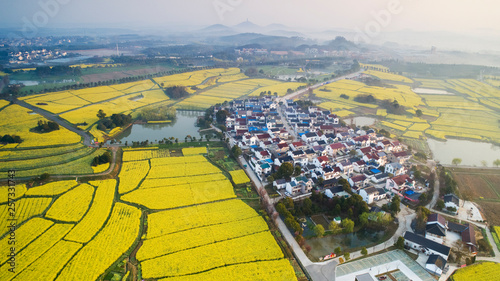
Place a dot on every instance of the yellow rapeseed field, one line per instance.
(239, 177)
(106, 247)
(52, 189)
(194, 151)
(256, 247)
(78, 198)
(26, 208)
(35, 249)
(15, 120)
(480, 271)
(131, 174)
(97, 214)
(278, 270)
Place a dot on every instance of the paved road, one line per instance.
(87, 138)
(303, 91)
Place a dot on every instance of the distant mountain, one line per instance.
(217, 27)
(248, 26)
(266, 41)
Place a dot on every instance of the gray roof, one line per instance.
(437, 260)
(364, 277)
(451, 198)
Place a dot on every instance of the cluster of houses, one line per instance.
(440, 235)
(324, 149)
(42, 54)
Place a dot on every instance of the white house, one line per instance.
(371, 194)
(425, 245)
(395, 168)
(310, 137)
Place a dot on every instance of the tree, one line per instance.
(364, 252)
(418, 112)
(484, 163)
(496, 162)
(395, 204)
(440, 204)
(337, 251)
(456, 161)
(236, 150)
(348, 225)
(400, 244)
(363, 218)
(353, 152)
(297, 171)
(347, 256)
(319, 230)
(334, 227)
(100, 114)
(285, 170)
(221, 116)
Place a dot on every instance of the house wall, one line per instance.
(432, 268)
(434, 238)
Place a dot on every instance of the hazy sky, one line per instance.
(424, 15)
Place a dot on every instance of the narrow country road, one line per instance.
(87, 138)
(303, 91)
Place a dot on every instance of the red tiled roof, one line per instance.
(298, 143)
(401, 179)
(322, 159)
(336, 146)
(263, 136)
(401, 154)
(283, 145)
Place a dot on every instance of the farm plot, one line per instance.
(226, 92)
(239, 176)
(4, 192)
(16, 120)
(153, 183)
(79, 199)
(256, 247)
(389, 76)
(35, 249)
(480, 271)
(116, 238)
(97, 214)
(79, 166)
(131, 174)
(197, 237)
(26, 208)
(168, 197)
(24, 154)
(143, 154)
(194, 151)
(194, 78)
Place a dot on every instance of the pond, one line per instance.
(325, 245)
(183, 125)
(427, 91)
(360, 121)
(472, 153)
